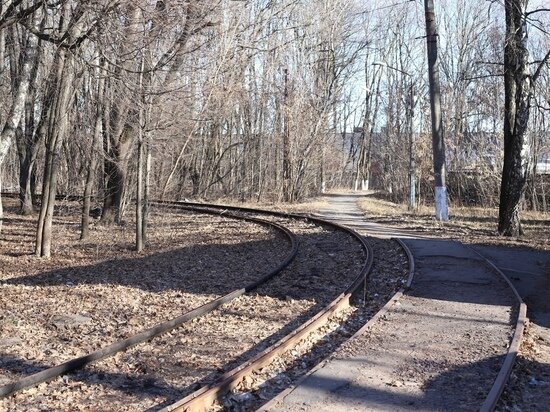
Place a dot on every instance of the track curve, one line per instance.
(204, 397)
(77, 363)
(456, 296)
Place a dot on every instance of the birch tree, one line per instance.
(20, 91)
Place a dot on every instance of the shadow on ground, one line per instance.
(460, 389)
(202, 269)
(529, 271)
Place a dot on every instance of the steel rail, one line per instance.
(499, 384)
(204, 397)
(367, 249)
(150, 333)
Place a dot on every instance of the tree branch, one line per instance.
(541, 65)
(535, 11)
(12, 16)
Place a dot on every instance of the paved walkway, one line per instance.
(529, 271)
(439, 348)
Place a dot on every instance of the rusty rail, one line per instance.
(148, 334)
(203, 398)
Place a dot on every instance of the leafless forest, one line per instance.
(121, 101)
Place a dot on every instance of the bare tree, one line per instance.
(71, 26)
(518, 88)
(21, 88)
(95, 148)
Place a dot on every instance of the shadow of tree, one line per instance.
(529, 271)
(201, 269)
(464, 388)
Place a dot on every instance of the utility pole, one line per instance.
(441, 208)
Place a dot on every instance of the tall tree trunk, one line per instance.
(140, 233)
(27, 144)
(117, 143)
(98, 130)
(441, 209)
(287, 161)
(123, 117)
(517, 95)
(139, 193)
(58, 125)
(146, 190)
(2, 48)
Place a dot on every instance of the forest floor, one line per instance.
(95, 292)
(471, 225)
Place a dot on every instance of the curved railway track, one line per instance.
(76, 363)
(160, 328)
(207, 395)
(219, 384)
(318, 319)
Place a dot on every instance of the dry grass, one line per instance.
(468, 224)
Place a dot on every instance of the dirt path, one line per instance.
(526, 263)
(439, 348)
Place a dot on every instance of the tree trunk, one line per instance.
(115, 170)
(27, 144)
(58, 124)
(139, 194)
(27, 179)
(18, 104)
(287, 161)
(98, 130)
(441, 209)
(517, 95)
(117, 145)
(2, 49)
(122, 118)
(140, 241)
(146, 190)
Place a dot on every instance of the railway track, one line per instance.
(79, 362)
(419, 364)
(283, 294)
(277, 328)
(207, 395)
